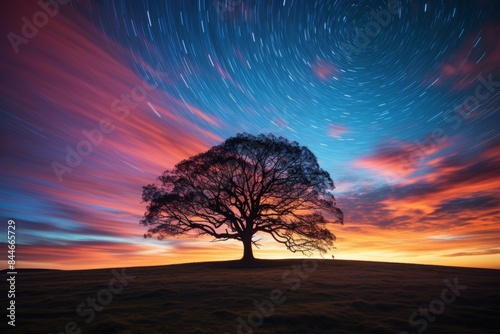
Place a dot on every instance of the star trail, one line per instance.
(399, 101)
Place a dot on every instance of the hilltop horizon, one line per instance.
(261, 260)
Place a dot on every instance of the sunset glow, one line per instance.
(95, 106)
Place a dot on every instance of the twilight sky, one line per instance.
(398, 100)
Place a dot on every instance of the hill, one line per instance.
(274, 296)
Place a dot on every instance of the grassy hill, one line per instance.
(274, 296)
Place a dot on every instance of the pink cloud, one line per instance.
(397, 159)
(463, 69)
(336, 131)
(324, 70)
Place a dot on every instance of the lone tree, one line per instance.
(246, 185)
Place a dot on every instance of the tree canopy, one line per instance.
(244, 186)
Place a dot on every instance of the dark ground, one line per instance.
(218, 297)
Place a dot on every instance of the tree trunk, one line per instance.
(247, 249)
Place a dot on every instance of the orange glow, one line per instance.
(432, 207)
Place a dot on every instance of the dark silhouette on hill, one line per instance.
(246, 185)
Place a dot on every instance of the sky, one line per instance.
(399, 100)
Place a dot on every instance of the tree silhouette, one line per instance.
(246, 185)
